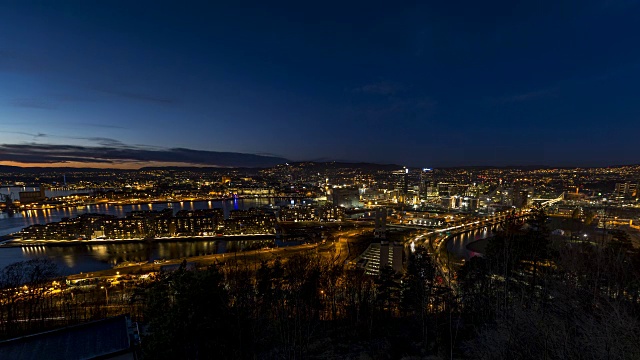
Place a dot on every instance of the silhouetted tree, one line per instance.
(417, 292)
(188, 316)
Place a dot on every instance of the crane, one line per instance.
(9, 206)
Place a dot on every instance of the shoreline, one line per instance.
(482, 246)
(10, 243)
(479, 246)
(152, 202)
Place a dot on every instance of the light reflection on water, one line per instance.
(15, 222)
(457, 245)
(83, 258)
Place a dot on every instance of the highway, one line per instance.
(247, 256)
(435, 240)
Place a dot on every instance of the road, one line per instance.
(436, 240)
(247, 256)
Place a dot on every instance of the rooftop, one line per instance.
(100, 338)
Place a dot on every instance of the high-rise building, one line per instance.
(519, 196)
(446, 189)
(469, 203)
(448, 202)
(346, 197)
(402, 184)
(426, 180)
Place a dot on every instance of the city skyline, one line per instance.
(131, 85)
(322, 180)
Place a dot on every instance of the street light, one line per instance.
(106, 293)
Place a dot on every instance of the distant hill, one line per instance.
(346, 165)
(114, 155)
(514, 167)
(315, 165)
(11, 169)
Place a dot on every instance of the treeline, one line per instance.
(304, 306)
(530, 298)
(307, 306)
(23, 295)
(34, 297)
(527, 298)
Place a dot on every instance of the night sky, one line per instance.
(435, 83)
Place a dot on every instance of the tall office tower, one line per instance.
(405, 182)
(401, 186)
(519, 196)
(514, 191)
(426, 180)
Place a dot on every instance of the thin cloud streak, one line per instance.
(104, 141)
(33, 103)
(119, 153)
(105, 126)
(161, 100)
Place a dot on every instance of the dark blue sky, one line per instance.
(437, 83)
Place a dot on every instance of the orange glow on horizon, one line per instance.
(125, 165)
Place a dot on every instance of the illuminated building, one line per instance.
(28, 197)
(346, 197)
(379, 255)
(627, 189)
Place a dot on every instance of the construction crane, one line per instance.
(7, 200)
